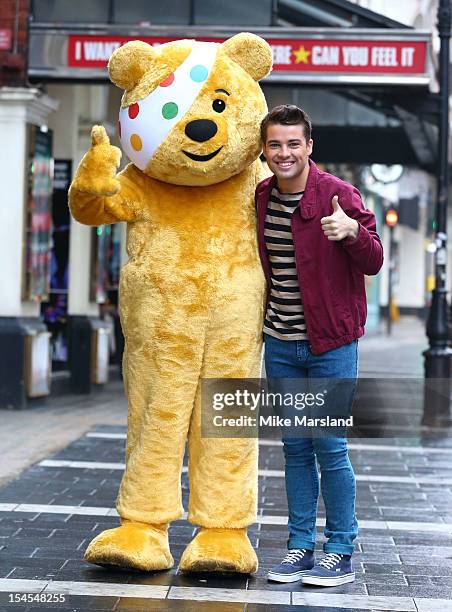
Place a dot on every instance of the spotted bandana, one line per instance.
(144, 125)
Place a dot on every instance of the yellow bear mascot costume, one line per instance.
(192, 292)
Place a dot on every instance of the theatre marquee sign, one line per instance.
(312, 55)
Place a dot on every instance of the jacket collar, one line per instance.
(309, 201)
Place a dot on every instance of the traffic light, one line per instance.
(392, 217)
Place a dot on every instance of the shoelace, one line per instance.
(294, 556)
(330, 560)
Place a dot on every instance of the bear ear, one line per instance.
(128, 63)
(251, 52)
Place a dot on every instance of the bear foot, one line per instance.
(133, 545)
(220, 550)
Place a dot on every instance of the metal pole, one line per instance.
(439, 354)
(390, 279)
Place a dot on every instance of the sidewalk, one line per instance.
(31, 434)
(397, 355)
(55, 507)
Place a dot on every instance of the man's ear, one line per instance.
(128, 63)
(251, 52)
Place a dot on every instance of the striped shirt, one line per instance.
(284, 318)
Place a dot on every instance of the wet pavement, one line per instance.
(404, 550)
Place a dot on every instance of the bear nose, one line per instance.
(201, 130)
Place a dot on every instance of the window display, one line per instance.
(38, 228)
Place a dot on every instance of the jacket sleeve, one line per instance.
(366, 249)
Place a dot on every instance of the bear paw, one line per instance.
(96, 174)
(133, 545)
(220, 550)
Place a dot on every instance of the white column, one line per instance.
(18, 106)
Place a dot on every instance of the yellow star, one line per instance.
(301, 55)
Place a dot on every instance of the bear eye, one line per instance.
(218, 105)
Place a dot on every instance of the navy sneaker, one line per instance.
(293, 566)
(332, 570)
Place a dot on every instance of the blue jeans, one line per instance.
(289, 359)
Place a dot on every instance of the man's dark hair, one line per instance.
(286, 114)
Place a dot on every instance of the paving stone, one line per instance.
(163, 578)
(371, 547)
(80, 571)
(222, 581)
(20, 548)
(78, 603)
(260, 583)
(31, 573)
(422, 539)
(139, 605)
(432, 581)
(408, 570)
(385, 579)
(411, 591)
(374, 557)
(263, 608)
(57, 552)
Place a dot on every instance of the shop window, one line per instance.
(54, 309)
(143, 12)
(219, 12)
(38, 215)
(152, 13)
(68, 11)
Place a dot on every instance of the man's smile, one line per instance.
(285, 164)
(195, 157)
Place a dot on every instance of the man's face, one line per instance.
(286, 150)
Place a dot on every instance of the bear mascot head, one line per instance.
(191, 110)
(191, 294)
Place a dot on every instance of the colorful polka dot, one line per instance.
(119, 129)
(136, 143)
(170, 110)
(133, 110)
(199, 73)
(167, 82)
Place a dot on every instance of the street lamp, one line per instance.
(439, 354)
(391, 221)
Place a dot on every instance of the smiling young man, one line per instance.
(316, 243)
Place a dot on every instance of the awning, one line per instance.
(339, 56)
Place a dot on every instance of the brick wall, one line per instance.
(14, 16)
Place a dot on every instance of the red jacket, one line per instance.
(330, 274)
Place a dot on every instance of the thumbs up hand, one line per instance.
(96, 173)
(339, 225)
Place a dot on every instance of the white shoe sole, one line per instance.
(286, 578)
(318, 581)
